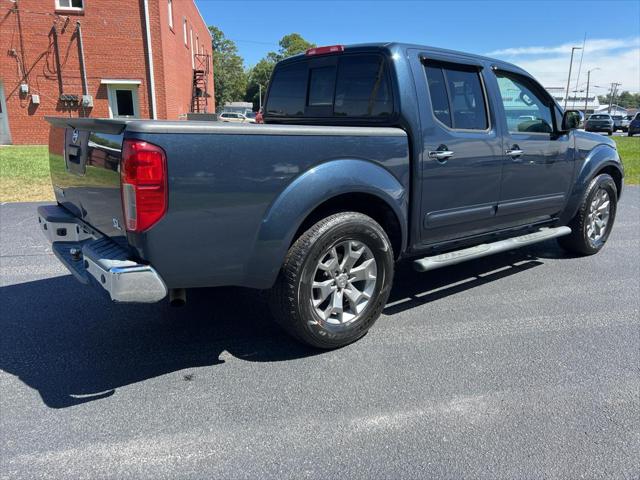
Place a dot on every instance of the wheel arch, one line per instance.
(601, 159)
(337, 185)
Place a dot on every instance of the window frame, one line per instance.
(170, 13)
(537, 89)
(184, 32)
(70, 7)
(443, 65)
(113, 100)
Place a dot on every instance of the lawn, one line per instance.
(24, 170)
(24, 174)
(629, 149)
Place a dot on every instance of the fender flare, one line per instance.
(303, 195)
(602, 156)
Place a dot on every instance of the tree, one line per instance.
(624, 99)
(229, 77)
(290, 45)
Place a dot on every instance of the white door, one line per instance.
(123, 101)
(5, 137)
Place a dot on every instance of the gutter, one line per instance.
(152, 81)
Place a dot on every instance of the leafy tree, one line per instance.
(291, 44)
(624, 99)
(229, 77)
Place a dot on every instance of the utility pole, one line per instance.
(566, 96)
(260, 96)
(614, 88)
(586, 98)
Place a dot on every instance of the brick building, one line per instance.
(100, 58)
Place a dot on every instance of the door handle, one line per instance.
(515, 152)
(441, 154)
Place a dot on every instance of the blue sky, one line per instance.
(535, 35)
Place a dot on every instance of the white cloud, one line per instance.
(595, 45)
(618, 60)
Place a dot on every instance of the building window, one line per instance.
(184, 30)
(170, 9)
(191, 44)
(123, 99)
(70, 4)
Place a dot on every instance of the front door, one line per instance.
(538, 161)
(462, 151)
(5, 137)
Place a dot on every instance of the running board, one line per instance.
(459, 256)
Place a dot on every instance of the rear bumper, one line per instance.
(95, 259)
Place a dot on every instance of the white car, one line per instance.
(232, 117)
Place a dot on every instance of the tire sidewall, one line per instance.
(600, 182)
(361, 229)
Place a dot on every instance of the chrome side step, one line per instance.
(459, 256)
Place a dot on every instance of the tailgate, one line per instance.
(84, 157)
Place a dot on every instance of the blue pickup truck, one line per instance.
(369, 154)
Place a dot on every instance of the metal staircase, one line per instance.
(199, 91)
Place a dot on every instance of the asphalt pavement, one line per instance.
(521, 365)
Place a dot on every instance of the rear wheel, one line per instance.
(335, 281)
(591, 226)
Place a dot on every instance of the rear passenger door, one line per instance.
(462, 150)
(538, 160)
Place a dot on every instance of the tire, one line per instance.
(579, 241)
(294, 300)
(629, 134)
(610, 132)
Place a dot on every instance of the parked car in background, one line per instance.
(634, 126)
(369, 154)
(600, 122)
(250, 116)
(232, 117)
(620, 122)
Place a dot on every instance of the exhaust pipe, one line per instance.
(177, 297)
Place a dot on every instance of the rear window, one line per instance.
(355, 86)
(599, 117)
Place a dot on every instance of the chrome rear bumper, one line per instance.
(94, 258)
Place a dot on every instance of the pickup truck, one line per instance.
(369, 154)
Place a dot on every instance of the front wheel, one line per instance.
(335, 281)
(610, 132)
(591, 226)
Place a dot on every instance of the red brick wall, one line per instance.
(114, 47)
(176, 56)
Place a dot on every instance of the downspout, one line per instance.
(83, 70)
(152, 81)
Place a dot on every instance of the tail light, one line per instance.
(143, 183)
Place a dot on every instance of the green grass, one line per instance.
(24, 174)
(629, 150)
(24, 170)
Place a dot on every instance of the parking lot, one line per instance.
(525, 364)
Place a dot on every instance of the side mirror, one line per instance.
(571, 120)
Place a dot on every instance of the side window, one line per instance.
(288, 91)
(438, 93)
(527, 110)
(457, 96)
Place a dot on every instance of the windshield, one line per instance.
(600, 117)
(250, 115)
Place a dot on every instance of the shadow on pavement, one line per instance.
(73, 345)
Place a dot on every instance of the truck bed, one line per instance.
(225, 187)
